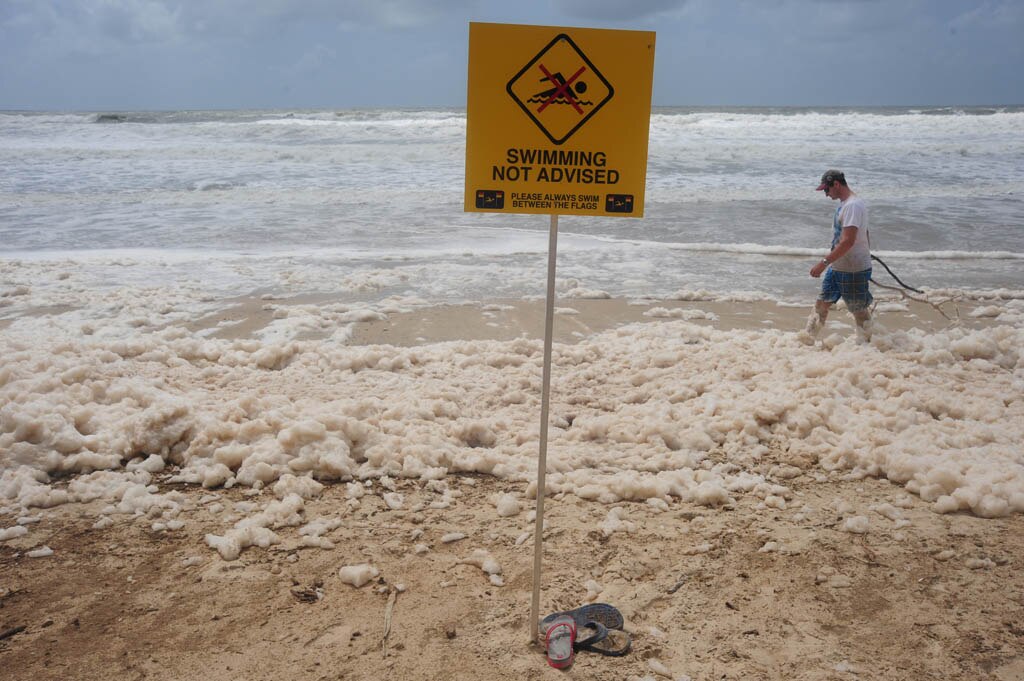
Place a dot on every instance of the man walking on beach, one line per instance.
(847, 266)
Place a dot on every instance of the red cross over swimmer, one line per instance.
(563, 89)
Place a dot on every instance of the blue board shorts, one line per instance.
(852, 287)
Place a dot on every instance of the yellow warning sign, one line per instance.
(557, 120)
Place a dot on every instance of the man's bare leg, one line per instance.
(863, 319)
(816, 322)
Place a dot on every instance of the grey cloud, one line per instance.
(615, 10)
(268, 15)
(93, 26)
(97, 26)
(997, 16)
(312, 60)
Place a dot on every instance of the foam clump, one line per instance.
(857, 524)
(13, 532)
(617, 520)
(231, 544)
(257, 529)
(358, 575)
(483, 559)
(305, 487)
(507, 505)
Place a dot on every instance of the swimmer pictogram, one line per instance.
(557, 104)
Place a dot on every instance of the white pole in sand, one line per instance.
(538, 528)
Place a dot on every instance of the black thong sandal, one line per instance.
(601, 613)
(613, 643)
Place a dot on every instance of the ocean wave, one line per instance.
(757, 123)
(213, 185)
(796, 251)
(396, 119)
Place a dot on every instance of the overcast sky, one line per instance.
(197, 54)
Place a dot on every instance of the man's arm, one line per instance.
(846, 241)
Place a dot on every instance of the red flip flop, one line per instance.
(560, 641)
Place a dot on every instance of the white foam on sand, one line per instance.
(659, 411)
(636, 414)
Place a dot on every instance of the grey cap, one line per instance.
(831, 176)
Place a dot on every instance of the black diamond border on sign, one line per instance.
(526, 109)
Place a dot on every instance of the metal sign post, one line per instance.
(545, 402)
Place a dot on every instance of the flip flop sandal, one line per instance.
(560, 640)
(602, 613)
(600, 634)
(614, 643)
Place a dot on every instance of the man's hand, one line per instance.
(846, 241)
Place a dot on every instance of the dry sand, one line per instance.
(698, 594)
(742, 592)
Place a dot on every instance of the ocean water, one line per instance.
(244, 201)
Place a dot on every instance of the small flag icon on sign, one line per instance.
(493, 199)
(618, 203)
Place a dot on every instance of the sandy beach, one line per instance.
(757, 508)
(578, 318)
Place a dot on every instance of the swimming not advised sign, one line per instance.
(557, 120)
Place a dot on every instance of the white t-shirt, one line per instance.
(852, 212)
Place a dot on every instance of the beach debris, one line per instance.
(389, 610)
(13, 631)
(309, 594)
